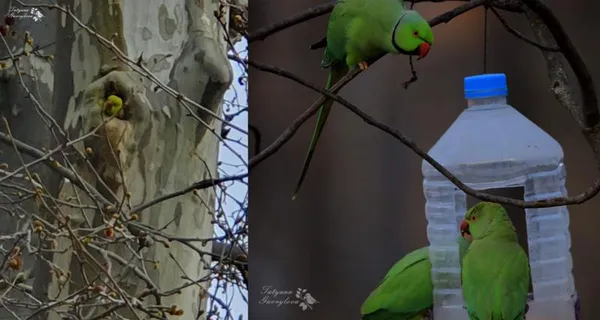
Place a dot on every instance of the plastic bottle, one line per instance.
(491, 145)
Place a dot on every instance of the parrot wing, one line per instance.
(339, 20)
(323, 42)
(495, 278)
(406, 290)
(463, 246)
(355, 18)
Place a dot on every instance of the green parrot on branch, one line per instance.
(495, 270)
(360, 31)
(406, 291)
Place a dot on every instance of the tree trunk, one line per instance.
(154, 147)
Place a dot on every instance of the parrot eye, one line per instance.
(473, 218)
(416, 33)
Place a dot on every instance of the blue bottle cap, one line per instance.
(486, 86)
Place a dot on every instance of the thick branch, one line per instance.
(554, 202)
(560, 85)
(207, 183)
(589, 110)
(589, 117)
(519, 35)
(315, 12)
(561, 88)
(296, 124)
(289, 132)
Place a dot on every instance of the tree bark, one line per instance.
(158, 146)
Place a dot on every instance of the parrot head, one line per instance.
(113, 105)
(482, 219)
(412, 35)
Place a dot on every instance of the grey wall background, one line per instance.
(362, 206)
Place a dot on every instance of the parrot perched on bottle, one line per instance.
(406, 292)
(113, 105)
(360, 31)
(495, 270)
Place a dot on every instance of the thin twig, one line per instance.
(315, 12)
(554, 202)
(296, 124)
(414, 77)
(519, 35)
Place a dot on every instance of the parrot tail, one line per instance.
(335, 74)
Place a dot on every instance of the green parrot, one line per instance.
(406, 292)
(113, 105)
(495, 271)
(360, 31)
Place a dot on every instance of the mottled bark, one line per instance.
(26, 124)
(155, 148)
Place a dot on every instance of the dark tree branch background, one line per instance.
(343, 186)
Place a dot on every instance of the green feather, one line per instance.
(463, 246)
(495, 272)
(335, 74)
(406, 291)
(360, 31)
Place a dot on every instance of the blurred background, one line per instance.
(361, 207)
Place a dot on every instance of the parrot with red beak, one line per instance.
(495, 269)
(360, 31)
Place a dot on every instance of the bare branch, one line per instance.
(107, 254)
(587, 115)
(324, 9)
(208, 183)
(589, 109)
(519, 35)
(554, 202)
(291, 130)
(298, 18)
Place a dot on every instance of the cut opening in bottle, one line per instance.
(516, 215)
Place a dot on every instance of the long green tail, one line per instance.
(335, 74)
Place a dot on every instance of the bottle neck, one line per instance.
(486, 101)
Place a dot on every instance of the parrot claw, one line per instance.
(363, 65)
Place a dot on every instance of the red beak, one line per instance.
(424, 49)
(464, 226)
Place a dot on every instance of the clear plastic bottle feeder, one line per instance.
(489, 146)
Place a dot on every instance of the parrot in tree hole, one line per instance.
(360, 31)
(113, 105)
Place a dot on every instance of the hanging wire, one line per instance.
(485, 35)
